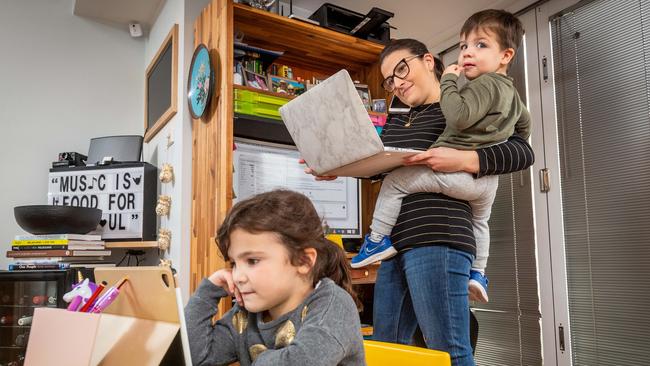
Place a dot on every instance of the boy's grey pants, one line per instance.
(413, 179)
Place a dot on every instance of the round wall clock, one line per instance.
(201, 82)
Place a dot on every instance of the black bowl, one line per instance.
(48, 219)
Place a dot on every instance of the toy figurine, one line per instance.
(79, 294)
(167, 173)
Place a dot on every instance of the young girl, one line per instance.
(295, 304)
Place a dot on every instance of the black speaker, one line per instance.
(123, 149)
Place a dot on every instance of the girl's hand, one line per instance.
(453, 69)
(223, 278)
(311, 172)
(446, 159)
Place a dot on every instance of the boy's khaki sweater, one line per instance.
(484, 112)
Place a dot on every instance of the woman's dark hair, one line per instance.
(293, 218)
(415, 47)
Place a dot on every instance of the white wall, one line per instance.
(179, 128)
(63, 80)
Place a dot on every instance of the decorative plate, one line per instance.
(200, 83)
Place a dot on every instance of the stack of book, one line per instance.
(57, 251)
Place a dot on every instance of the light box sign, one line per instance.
(123, 194)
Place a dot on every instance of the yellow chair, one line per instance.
(391, 354)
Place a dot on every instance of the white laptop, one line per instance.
(334, 133)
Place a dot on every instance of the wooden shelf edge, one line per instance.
(317, 31)
(130, 244)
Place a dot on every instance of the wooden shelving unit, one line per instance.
(306, 47)
(130, 244)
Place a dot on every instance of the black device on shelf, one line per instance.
(263, 129)
(20, 293)
(125, 148)
(372, 26)
(70, 159)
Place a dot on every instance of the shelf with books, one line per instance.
(265, 57)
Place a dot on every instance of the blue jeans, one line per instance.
(425, 287)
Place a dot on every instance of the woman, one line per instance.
(426, 284)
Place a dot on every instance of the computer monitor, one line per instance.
(261, 167)
(396, 106)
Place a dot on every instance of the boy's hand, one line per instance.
(453, 69)
(223, 279)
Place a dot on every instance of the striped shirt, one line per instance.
(433, 218)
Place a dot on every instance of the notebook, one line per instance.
(334, 134)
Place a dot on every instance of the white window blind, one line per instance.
(601, 52)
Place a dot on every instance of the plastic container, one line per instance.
(378, 119)
(258, 104)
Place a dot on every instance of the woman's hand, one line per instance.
(308, 170)
(223, 278)
(446, 160)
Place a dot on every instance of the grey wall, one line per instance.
(63, 80)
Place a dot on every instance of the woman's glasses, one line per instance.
(401, 71)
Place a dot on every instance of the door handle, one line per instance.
(544, 180)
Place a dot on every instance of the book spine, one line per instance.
(32, 266)
(42, 237)
(39, 247)
(59, 237)
(38, 253)
(41, 242)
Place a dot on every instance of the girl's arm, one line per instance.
(209, 345)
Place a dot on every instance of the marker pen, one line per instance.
(74, 304)
(108, 297)
(92, 298)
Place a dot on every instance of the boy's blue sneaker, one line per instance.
(371, 252)
(478, 284)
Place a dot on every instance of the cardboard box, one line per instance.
(136, 329)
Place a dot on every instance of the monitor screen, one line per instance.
(261, 167)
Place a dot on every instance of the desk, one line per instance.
(363, 275)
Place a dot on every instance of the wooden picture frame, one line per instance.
(279, 84)
(161, 86)
(364, 93)
(255, 80)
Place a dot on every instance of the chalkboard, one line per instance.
(161, 86)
